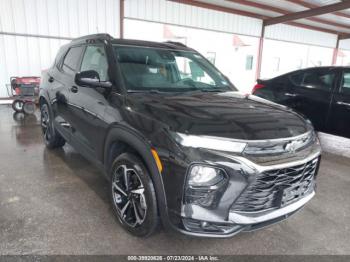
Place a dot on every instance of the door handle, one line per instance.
(343, 103)
(290, 94)
(51, 79)
(74, 89)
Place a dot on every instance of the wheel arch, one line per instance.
(42, 100)
(122, 139)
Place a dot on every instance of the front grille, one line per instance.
(277, 188)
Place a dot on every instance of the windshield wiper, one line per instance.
(207, 90)
(212, 90)
(181, 91)
(152, 91)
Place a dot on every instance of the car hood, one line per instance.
(228, 114)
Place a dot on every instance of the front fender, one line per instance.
(143, 148)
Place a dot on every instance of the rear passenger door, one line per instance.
(312, 97)
(340, 109)
(62, 81)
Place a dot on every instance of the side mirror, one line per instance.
(91, 78)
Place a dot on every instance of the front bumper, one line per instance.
(256, 218)
(222, 220)
(240, 222)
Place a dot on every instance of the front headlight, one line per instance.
(210, 142)
(205, 185)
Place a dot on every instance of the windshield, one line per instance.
(158, 69)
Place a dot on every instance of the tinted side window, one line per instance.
(296, 78)
(95, 59)
(322, 80)
(345, 88)
(71, 60)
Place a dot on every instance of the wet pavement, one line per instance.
(55, 202)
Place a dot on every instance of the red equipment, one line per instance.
(25, 92)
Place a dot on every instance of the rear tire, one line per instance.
(17, 105)
(133, 196)
(51, 137)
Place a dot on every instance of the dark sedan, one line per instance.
(322, 94)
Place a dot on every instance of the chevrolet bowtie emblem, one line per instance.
(291, 147)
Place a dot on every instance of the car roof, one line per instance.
(322, 67)
(141, 43)
(304, 70)
(131, 42)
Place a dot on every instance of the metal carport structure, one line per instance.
(318, 15)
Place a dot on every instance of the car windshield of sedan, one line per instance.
(167, 70)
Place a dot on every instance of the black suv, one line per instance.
(175, 139)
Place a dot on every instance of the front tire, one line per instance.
(51, 137)
(133, 196)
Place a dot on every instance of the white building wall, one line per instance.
(281, 57)
(344, 44)
(300, 35)
(55, 21)
(185, 15)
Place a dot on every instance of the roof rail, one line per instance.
(93, 37)
(175, 43)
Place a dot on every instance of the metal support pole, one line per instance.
(121, 19)
(335, 52)
(260, 52)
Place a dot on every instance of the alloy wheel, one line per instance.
(129, 196)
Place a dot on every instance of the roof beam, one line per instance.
(259, 5)
(308, 13)
(311, 27)
(249, 14)
(219, 8)
(285, 12)
(344, 36)
(309, 5)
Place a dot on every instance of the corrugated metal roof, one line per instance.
(281, 4)
(192, 16)
(330, 27)
(233, 5)
(272, 8)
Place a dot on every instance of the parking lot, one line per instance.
(55, 202)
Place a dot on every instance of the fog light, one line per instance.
(204, 176)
